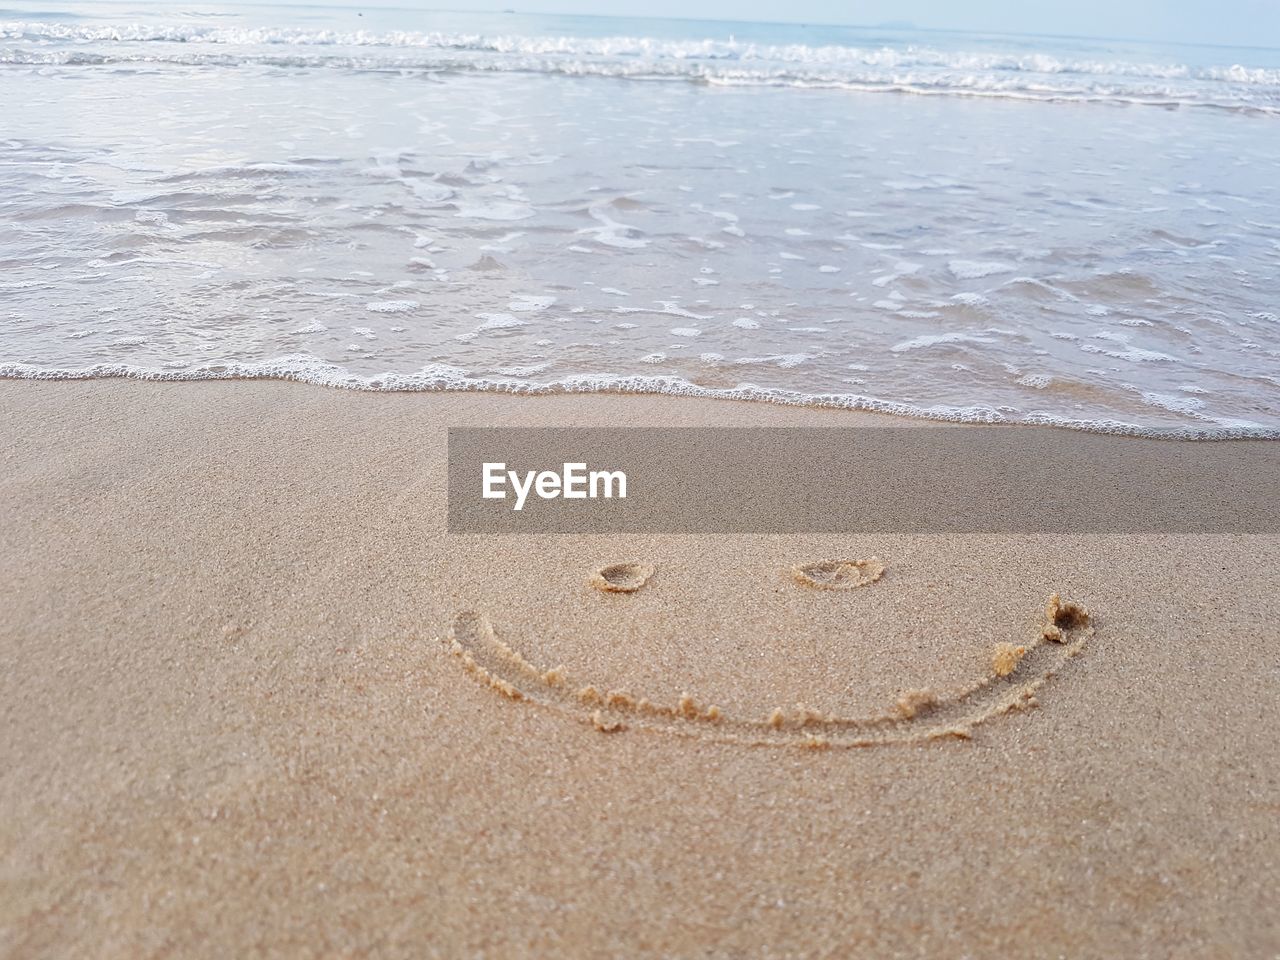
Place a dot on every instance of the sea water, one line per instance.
(957, 226)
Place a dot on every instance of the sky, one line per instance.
(1232, 22)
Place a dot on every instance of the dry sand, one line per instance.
(229, 725)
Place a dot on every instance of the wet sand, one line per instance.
(231, 722)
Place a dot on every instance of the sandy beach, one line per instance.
(231, 723)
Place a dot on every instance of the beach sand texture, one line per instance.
(237, 717)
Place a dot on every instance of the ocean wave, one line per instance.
(624, 47)
(438, 377)
(972, 86)
(908, 68)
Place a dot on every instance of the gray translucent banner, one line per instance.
(860, 480)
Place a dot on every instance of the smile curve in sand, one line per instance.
(1018, 671)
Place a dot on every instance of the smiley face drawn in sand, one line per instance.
(1018, 671)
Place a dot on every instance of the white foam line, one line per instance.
(442, 377)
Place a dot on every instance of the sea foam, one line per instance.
(915, 68)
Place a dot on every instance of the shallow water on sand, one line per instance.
(681, 213)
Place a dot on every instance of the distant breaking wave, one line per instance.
(910, 69)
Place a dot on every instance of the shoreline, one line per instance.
(230, 721)
(853, 404)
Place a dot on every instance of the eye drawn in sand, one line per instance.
(622, 577)
(917, 716)
(838, 574)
